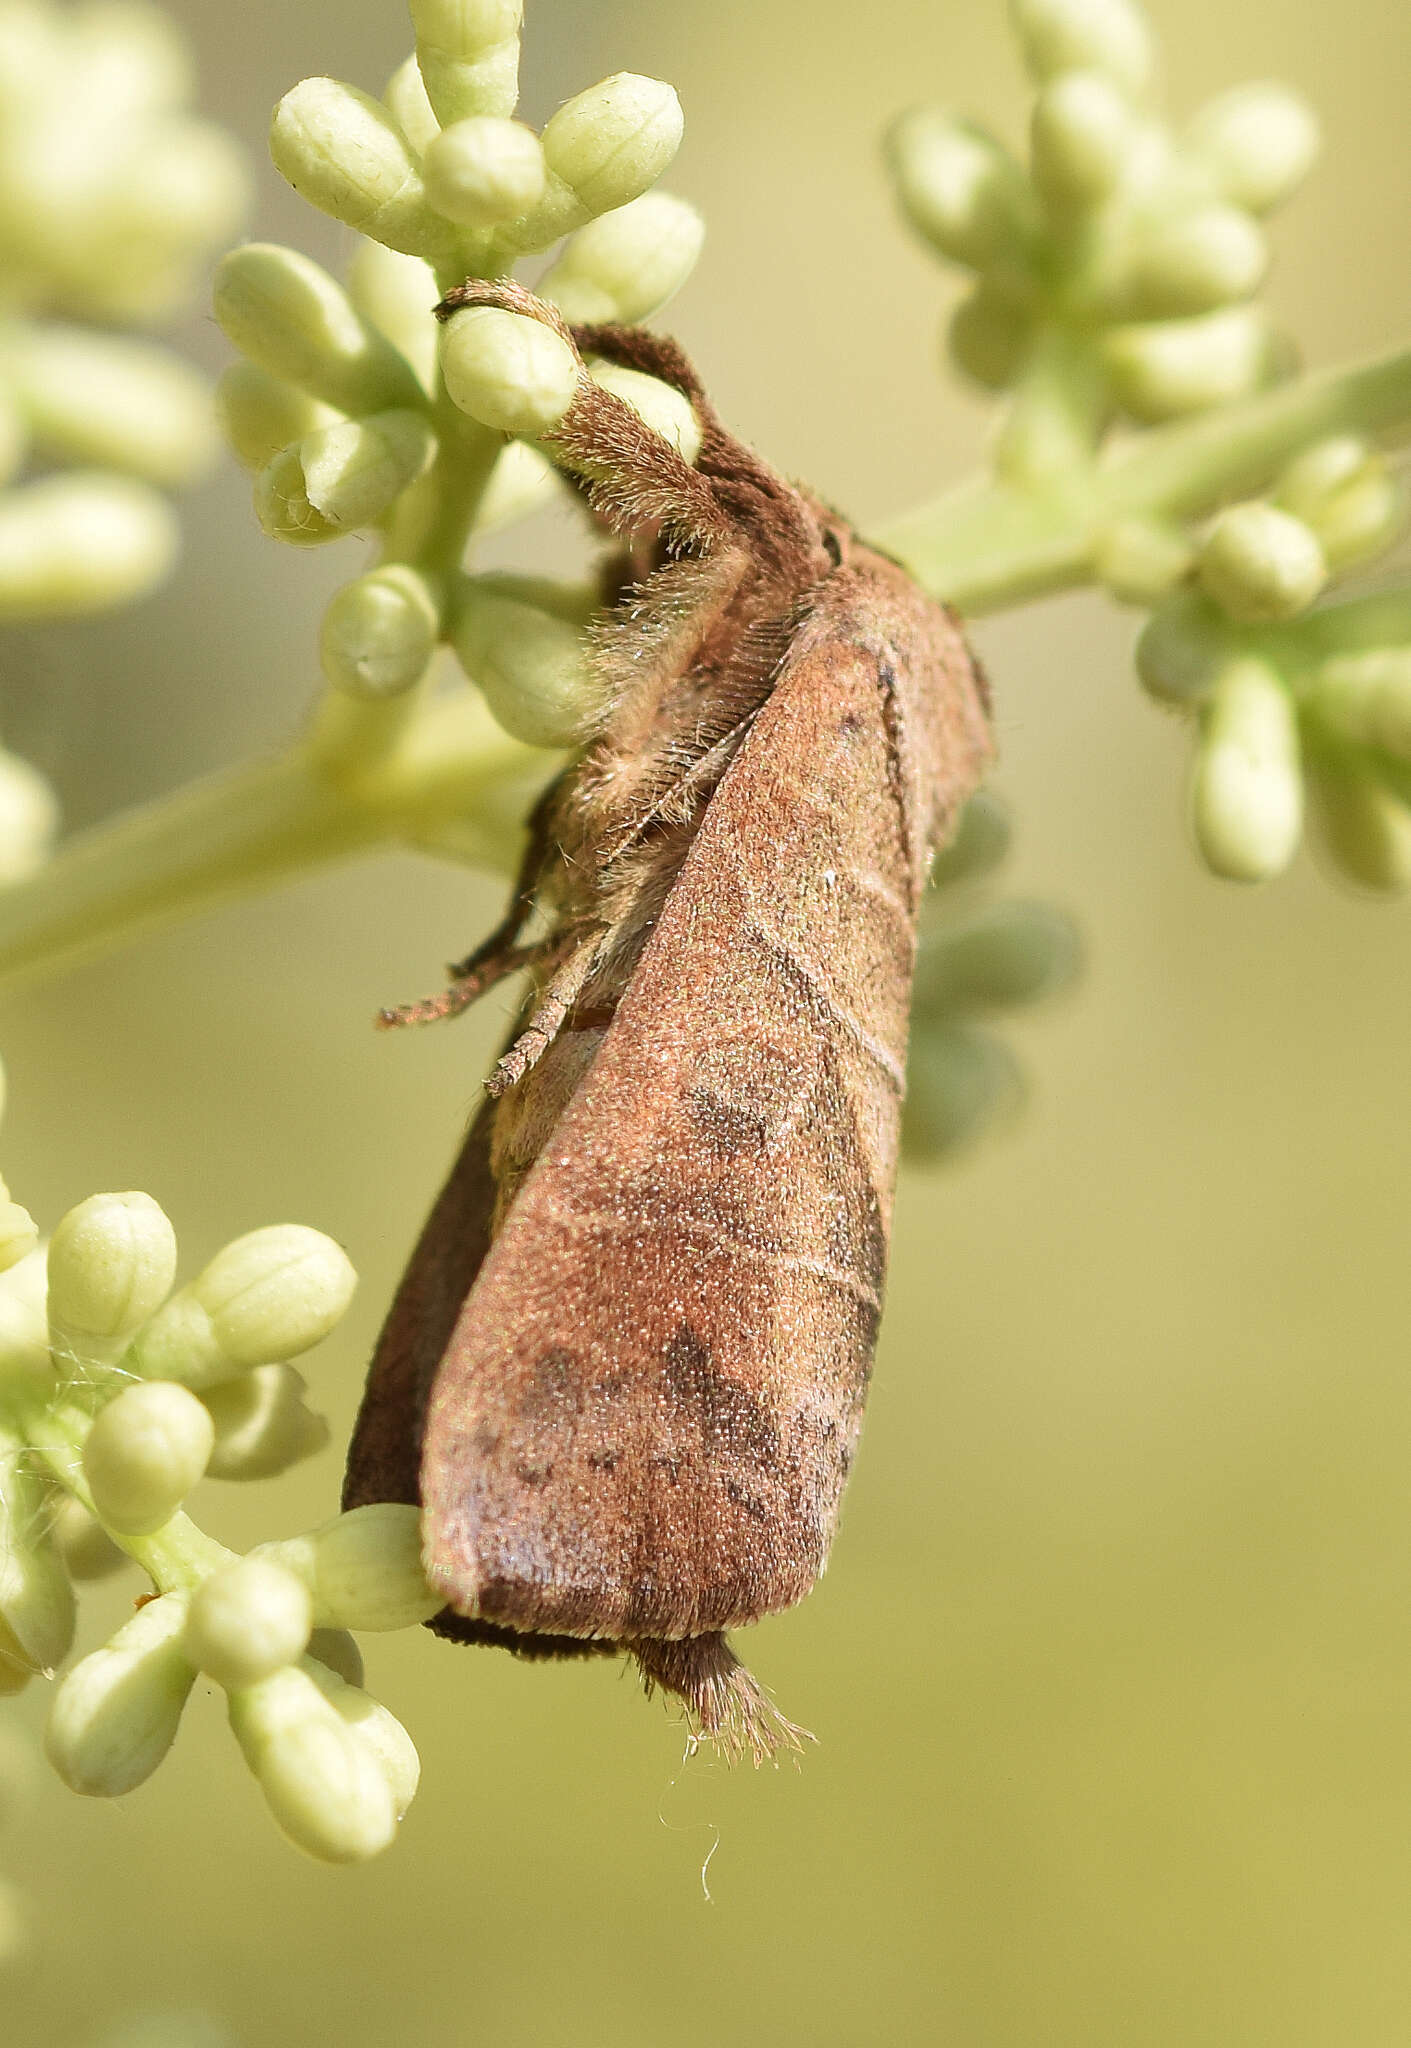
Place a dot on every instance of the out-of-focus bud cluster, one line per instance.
(112, 195)
(976, 960)
(358, 414)
(1295, 699)
(1145, 244)
(117, 1396)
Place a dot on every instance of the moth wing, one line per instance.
(650, 1401)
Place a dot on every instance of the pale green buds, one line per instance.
(1109, 36)
(36, 1599)
(341, 150)
(406, 101)
(84, 1545)
(1247, 790)
(29, 820)
(1008, 954)
(327, 1785)
(115, 1715)
(520, 482)
(1366, 698)
(521, 639)
(363, 1569)
(1366, 825)
(959, 188)
(1195, 260)
(247, 1622)
(262, 1425)
(1081, 136)
(112, 1261)
(267, 1297)
(981, 842)
(81, 542)
(485, 171)
(1258, 143)
(628, 263)
(1260, 564)
(1142, 560)
(1344, 490)
(146, 1450)
(261, 415)
(116, 403)
(1182, 649)
(382, 1732)
(468, 53)
(343, 477)
(1170, 367)
(508, 370)
(380, 632)
(610, 143)
(667, 411)
(958, 1082)
(988, 337)
(289, 316)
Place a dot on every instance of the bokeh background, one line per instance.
(1112, 1671)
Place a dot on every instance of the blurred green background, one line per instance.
(1112, 1671)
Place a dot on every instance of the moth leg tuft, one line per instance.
(560, 993)
(725, 1703)
(472, 978)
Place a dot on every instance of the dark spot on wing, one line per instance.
(727, 1417)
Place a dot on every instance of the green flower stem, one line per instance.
(985, 546)
(1055, 419)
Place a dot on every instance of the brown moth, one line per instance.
(624, 1372)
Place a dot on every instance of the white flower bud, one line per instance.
(354, 470)
(380, 632)
(520, 638)
(325, 1785)
(405, 100)
(1142, 561)
(341, 150)
(247, 1621)
(289, 316)
(1084, 35)
(981, 842)
(370, 1721)
(146, 1450)
(521, 481)
(958, 1081)
(1006, 955)
(83, 1544)
(36, 1599)
(115, 1715)
(1247, 789)
(1258, 142)
(1345, 492)
(1261, 565)
(485, 171)
(262, 1425)
(1319, 472)
(666, 410)
(29, 820)
(81, 542)
(627, 263)
(363, 1568)
(959, 188)
(112, 1261)
(508, 370)
(265, 1298)
(1367, 826)
(114, 402)
(1171, 367)
(1194, 261)
(1366, 698)
(398, 294)
(610, 143)
(336, 1650)
(1182, 649)
(261, 415)
(468, 52)
(1082, 134)
(988, 336)
(24, 1338)
(282, 505)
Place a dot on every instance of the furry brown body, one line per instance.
(624, 1374)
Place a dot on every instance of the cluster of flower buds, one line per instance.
(357, 414)
(117, 1395)
(111, 196)
(1125, 251)
(1288, 691)
(975, 959)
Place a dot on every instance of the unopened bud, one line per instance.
(1366, 698)
(1344, 490)
(1008, 954)
(610, 143)
(81, 542)
(1082, 135)
(83, 1544)
(353, 471)
(16, 1669)
(112, 1261)
(115, 1715)
(1260, 564)
(520, 482)
(1247, 790)
(1166, 368)
(958, 1081)
(36, 1599)
(247, 1621)
(363, 1568)
(146, 1450)
(265, 1298)
(667, 411)
(1084, 35)
(338, 1652)
(114, 402)
(261, 415)
(398, 295)
(282, 505)
(626, 264)
(1182, 649)
(341, 150)
(485, 171)
(380, 632)
(1366, 825)
(405, 100)
(370, 1721)
(959, 188)
(1141, 561)
(289, 316)
(520, 638)
(262, 1425)
(1196, 260)
(980, 843)
(508, 370)
(1258, 142)
(326, 1787)
(468, 52)
(988, 336)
